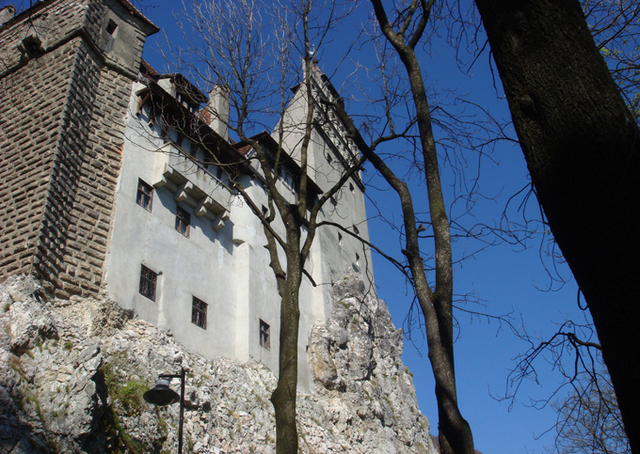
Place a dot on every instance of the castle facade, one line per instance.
(106, 190)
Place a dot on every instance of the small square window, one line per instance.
(199, 313)
(356, 230)
(148, 281)
(183, 221)
(265, 335)
(352, 187)
(111, 27)
(144, 198)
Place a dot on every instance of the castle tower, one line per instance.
(66, 68)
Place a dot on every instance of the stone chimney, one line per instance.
(219, 109)
(7, 13)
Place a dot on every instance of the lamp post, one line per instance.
(162, 395)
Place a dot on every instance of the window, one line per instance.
(148, 280)
(352, 188)
(179, 138)
(219, 173)
(111, 27)
(287, 177)
(339, 239)
(265, 335)
(183, 221)
(199, 313)
(356, 230)
(145, 195)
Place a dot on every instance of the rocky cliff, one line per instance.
(72, 374)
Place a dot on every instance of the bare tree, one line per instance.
(404, 34)
(233, 49)
(581, 145)
(589, 419)
(437, 304)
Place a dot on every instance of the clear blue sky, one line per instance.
(507, 279)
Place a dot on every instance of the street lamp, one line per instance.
(162, 395)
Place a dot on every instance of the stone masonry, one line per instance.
(64, 87)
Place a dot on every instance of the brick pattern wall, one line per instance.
(62, 224)
(32, 101)
(90, 215)
(61, 134)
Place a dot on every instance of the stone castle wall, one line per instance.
(61, 133)
(33, 104)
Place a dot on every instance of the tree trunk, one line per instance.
(455, 435)
(284, 396)
(583, 152)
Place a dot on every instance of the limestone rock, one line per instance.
(26, 324)
(72, 374)
(357, 366)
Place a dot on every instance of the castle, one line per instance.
(101, 195)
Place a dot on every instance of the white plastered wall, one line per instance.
(225, 263)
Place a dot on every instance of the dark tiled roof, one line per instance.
(147, 70)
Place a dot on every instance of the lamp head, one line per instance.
(161, 394)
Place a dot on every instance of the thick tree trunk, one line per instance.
(583, 151)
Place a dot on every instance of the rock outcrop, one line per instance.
(72, 374)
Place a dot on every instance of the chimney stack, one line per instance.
(219, 108)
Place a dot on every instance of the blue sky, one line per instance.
(508, 279)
